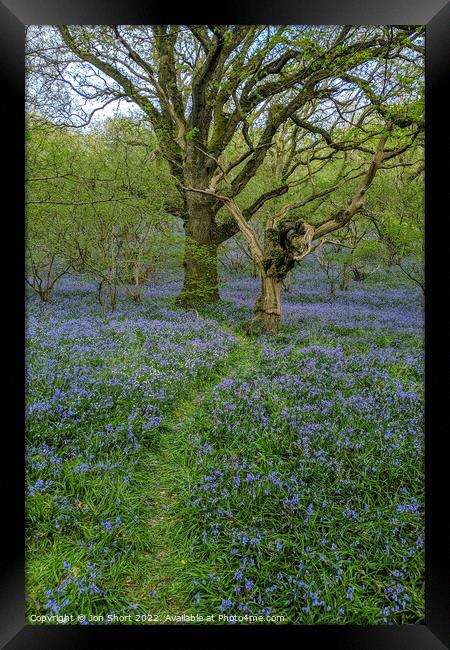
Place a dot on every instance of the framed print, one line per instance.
(229, 376)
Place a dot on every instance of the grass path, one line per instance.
(164, 592)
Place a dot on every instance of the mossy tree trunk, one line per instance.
(201, 280)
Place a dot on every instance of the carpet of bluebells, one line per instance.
(297, 461)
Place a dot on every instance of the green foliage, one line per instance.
(396, 208)
(192, 134)
(98, 203)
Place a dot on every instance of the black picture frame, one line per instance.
(14, 15)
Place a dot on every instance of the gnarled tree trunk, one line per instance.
(267, 314)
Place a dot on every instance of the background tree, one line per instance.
(356, 254)
(95, 204)
(52, 157)
(396, 211)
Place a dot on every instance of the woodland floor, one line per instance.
(177, 467)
